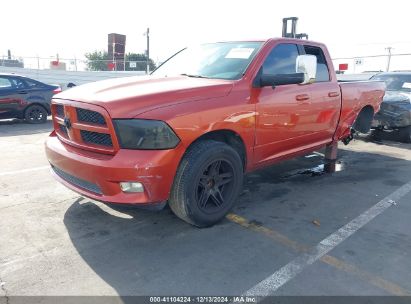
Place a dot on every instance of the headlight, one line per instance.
(141, 134)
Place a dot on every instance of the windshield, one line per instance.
(395, 82)
(223, 60)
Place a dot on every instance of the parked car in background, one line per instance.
(395, 112)
(25, 98)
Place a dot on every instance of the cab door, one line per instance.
(325, 100)
(294, 117)
(283, 115)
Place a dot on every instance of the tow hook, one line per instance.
(349, 138)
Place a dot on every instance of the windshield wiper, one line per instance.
(193, 76)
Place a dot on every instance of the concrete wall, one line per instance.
(64, 77)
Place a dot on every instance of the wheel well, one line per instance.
(37, 104)
(363, 121)
(229, 137)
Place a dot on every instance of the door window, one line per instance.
(281, 60)
(322, 68)
(33, 84)
(5, 83)
(18, 83)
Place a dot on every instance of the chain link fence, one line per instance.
(361, 64)
(375, 63)
(72, 64)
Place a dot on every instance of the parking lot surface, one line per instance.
(341, 233)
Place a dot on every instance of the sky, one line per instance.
(72, 28)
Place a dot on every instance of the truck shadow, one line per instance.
(16, 127)
(139, 252)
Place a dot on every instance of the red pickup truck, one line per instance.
(187, 133)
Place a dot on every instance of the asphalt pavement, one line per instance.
(295, 230)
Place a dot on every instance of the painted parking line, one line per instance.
(286, 273)
(24, 170)
(276, 236)
(373, 279)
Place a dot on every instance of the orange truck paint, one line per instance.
(274, 124)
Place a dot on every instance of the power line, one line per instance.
(372, 56)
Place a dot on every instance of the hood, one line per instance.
(130, 96)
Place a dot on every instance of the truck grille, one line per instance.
(96, 138)
(87, 128)
(77, 181)
(84, 115)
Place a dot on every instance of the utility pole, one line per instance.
(75, 62)
(148, 51)
(389, 49)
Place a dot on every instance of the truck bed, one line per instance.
(355, 95)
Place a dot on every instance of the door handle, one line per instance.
(333, 94)
(22, 92)
(302, 97)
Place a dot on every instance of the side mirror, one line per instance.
(306, 70)
(307, 64)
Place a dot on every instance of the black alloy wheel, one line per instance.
(207, 184)
(35, 114)
(215, 186)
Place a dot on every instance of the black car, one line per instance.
(25, 98)
(395, 112)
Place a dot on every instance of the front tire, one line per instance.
(207, 184)
(35, 114)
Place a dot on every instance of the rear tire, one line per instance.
(207, 184)
(405, 134)
(35, 114)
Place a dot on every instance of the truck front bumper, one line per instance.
(98, 176)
